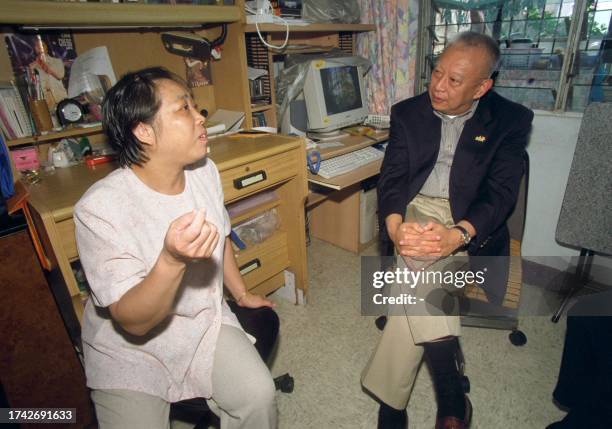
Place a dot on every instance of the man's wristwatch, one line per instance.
(465, 235)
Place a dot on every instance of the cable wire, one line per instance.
(268, 10)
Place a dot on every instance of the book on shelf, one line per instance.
(5, 128)
(260, 101)
(259, 119)
(257, 89)
(14, 116)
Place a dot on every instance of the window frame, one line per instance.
(568, 69)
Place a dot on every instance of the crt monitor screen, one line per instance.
(341, 89)
(334, 94)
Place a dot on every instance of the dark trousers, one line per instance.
(585, 377)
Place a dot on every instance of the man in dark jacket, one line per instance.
(449, 182)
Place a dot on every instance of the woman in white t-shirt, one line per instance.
(153, 240)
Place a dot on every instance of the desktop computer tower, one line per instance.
(346, 218)
(368, 219)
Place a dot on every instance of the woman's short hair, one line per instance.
(132, 100)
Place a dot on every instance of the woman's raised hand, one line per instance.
(191, 237)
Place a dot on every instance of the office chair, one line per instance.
(474, 306)
(585, 220)
(261, 323)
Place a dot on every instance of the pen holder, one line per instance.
(41, 115)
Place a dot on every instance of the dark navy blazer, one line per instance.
(485, 173)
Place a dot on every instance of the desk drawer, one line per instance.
(268, 286)
(65, 229)
(246, 179)
(263, 261)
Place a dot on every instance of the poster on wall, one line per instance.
(198, 72)
(41, 64)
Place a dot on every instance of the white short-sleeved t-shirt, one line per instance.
(120, 228)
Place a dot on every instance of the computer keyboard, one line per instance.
(378, 121)
(344, 163)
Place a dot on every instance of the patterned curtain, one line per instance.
(392, 50)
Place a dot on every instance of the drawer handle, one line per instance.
(249, 267)
(251, 179)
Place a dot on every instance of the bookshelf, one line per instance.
(55, 135)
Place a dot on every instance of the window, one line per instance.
(556, 54)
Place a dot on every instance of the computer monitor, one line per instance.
(334, 94)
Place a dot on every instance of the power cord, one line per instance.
(221, 39)
(264, 7)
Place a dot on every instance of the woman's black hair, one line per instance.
(132, 100)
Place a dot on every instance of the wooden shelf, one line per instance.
(315, 197)
(304, 49)
(77, 14)
(311, 28)
(58, 135)
(263, 108)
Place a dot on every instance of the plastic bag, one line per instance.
(337, 11)
(258, 229)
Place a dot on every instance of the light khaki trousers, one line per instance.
(243, 393)
(392, 368)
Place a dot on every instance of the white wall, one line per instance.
(551, 150)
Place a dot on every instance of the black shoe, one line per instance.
(391, 418)
(444, 361)
(452, 422)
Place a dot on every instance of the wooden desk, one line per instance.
(280, 158)
(335, 204)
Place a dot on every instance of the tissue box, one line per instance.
(26, 159)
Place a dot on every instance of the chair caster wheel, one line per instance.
(517, 338)
(380, 322)
(284, 383)
(465, 382)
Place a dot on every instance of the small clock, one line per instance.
(70, 111)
